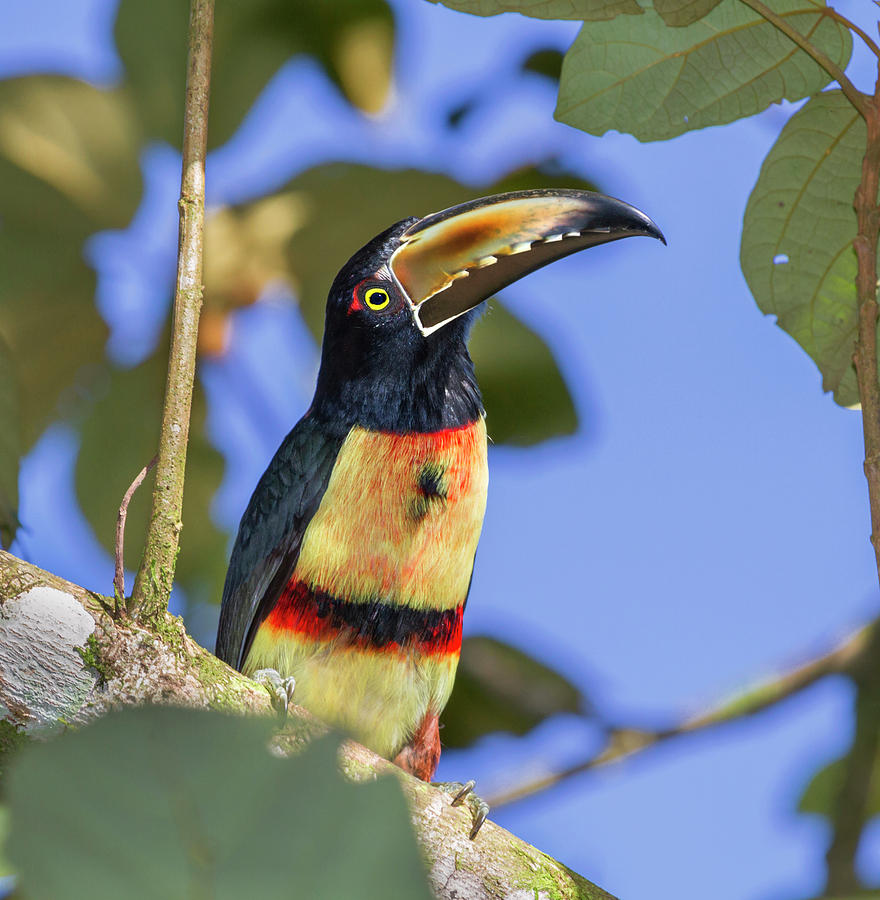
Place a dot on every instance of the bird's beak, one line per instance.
(453, 260)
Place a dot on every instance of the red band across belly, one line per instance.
(368, 625)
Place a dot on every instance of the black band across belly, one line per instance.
(366, 625)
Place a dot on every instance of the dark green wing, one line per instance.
(271, 531)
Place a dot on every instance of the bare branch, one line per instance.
(623, 741)
(152, 586)
(119, 579)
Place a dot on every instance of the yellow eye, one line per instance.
(376, 298)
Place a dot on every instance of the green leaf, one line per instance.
(352, 39)
(546, 62)
(586, 10)
(68, 168)
(9, 447)
(181, 804)
(514, 365)
(799, 225)
(500, 688)
(820, 794)
(117, 444)
(525, 395)
(679, 13)
(655, 82)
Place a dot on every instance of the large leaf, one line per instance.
(639, 76)
(799, 225)
(679, 13)
(343, 206)
(119, 437)
(353, 40)
(68, 168)
(9, 447)
(587, 10)
(500, 688)
(173, 803)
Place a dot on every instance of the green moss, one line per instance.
(90, 653)
(170, 630)
(548, 878)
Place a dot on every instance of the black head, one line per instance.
(400, 310)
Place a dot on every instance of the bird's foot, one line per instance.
(464, 794)
(280, 689)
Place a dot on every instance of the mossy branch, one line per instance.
(98, 662)
(152, 586)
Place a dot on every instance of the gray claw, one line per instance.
(462, 793)
(280, 689)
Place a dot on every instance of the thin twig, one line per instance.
(622, 742)
(834, 14)
(119, 580)
(152, 586)
(853, 94)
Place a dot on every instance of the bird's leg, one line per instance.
(420, 758)
(280, 689)
(464, 793)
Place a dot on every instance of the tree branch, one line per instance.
(853, 94)
(119, 577)
(623, 742)
(64, 660)
(155, 577)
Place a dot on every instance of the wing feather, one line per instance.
(271, 531)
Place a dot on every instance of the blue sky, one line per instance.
(706, 528)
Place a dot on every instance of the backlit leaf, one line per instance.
(586, 10)
(181, 804)
(352, 39)
(500, 688)
(119, 437)
(679, 13)
(654, 82)
(799, 225)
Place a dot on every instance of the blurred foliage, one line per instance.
(9, 447)
(797, 252)
(195, 805)
(117, 444)
(68, 168)
(547, 62)
(500, 688)
(5, 866)
(352, 40)
(820, 795)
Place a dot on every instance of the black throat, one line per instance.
(402, 383)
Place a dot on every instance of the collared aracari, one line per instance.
(353, 559)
